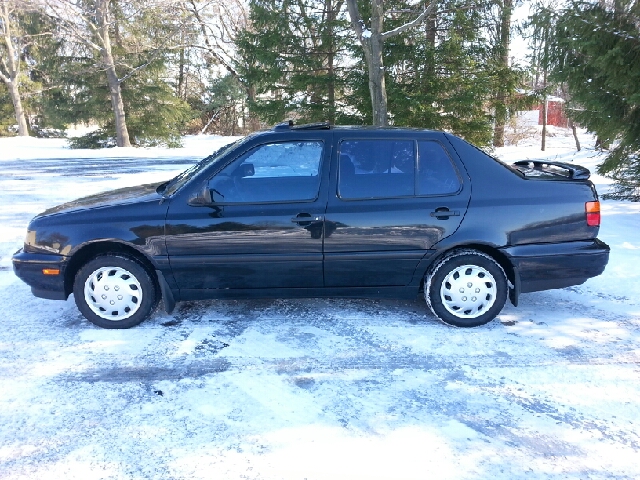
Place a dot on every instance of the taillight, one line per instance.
(592, 210)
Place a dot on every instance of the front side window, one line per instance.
(376, 168)
(273, 172)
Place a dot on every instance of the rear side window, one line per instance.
(376, 168)
(393, 168)
(436, 176)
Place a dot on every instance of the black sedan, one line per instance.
(316, 210)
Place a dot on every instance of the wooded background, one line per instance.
(146, 72)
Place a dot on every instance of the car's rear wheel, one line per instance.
(114, 291)
(466, 289)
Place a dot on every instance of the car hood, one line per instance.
(111, 198)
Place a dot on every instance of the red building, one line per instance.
(555, 113)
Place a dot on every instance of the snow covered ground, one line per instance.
(316, 388)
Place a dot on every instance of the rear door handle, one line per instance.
(305, 219)
(443, 213)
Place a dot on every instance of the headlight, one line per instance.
(30, 239)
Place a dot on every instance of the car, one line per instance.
(324, 211)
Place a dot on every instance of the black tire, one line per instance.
(114, 291)
(466, 289)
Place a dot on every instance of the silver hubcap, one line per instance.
(113, 293)
(468, 291)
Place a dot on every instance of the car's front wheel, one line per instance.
(466, 289)
(114, 291)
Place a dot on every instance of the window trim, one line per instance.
(416, 169)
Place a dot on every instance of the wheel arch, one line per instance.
(92, 250)
(499, 257)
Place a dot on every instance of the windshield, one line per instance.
(178, 181)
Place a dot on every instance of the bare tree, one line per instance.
(94, 23)
(220, 22)
(372, 42)
(89, 23)
(12, 43)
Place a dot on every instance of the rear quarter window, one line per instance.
(437, 175)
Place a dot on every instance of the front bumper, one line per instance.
(557, 265)
(28, 267)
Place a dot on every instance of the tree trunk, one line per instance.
(332, 90)
(102, 17)
(10, 77)
(430, 27)
(372, 43)
(425, 74)
(572, 125)
(21, 118)
(543, 144)
(501, 97)
(377, 86)
(575, 134)
(254, 122)
(331, 93)
(182, 91)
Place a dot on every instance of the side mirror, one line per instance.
(202, 198)
(245, 170)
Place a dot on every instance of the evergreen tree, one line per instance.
(117, 76)
(290, 55)
(596, 47)
(442, 75)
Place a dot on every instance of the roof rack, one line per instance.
(307, 126)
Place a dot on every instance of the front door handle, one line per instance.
(443, 213)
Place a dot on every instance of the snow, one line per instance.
(16, 148)
(313, 388)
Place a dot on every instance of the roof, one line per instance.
(289, 126)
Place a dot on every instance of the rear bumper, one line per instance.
(557, 265)
(28, 268)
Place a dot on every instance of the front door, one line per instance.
(264, 228)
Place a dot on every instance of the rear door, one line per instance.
(390, 201)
